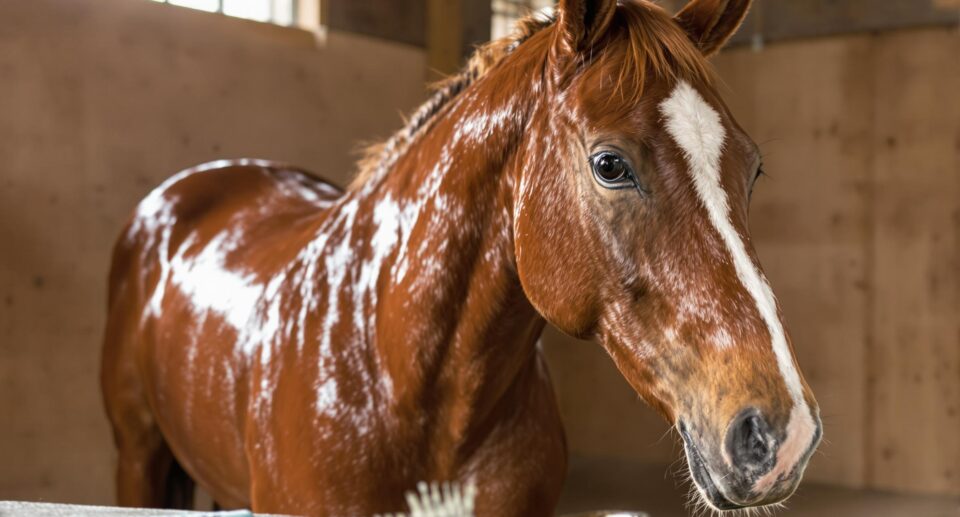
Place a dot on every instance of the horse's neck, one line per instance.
(453, 329)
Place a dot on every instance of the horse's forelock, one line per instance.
(643, 42)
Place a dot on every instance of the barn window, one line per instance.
(280, 12)
(507, 12)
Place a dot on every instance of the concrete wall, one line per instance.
(99, 101)
(858, 228)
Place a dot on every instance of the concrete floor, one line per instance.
(653, 489)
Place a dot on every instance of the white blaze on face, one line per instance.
(696, 128)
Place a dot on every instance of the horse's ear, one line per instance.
(710, 23)
(580, 23)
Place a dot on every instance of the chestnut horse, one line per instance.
(295, 348)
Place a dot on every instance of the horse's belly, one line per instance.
(319, 442)
(308, 463)
(303, 466)
(198, 387)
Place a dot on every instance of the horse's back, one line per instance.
(197, 252)
(200, 202)
(235, 187)
(235, 200)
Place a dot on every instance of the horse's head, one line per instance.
(631, 226)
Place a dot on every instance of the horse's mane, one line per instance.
(655, 44)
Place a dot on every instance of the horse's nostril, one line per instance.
(750, 442)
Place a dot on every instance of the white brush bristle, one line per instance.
(440, 500)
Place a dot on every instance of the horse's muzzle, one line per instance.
(729, 480)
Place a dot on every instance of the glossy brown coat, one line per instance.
(295, 348)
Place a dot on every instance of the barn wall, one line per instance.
(99, 101)
(858, 228)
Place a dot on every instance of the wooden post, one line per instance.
(444, 37)
(402, 21)
(454, 28)
(776, 20)
(310, 14)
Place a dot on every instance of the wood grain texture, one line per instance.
(444, 36)
(402, 21)
(778, 21)
(916, 397)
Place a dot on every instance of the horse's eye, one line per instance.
(609, 169)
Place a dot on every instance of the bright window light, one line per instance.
(280, 12)
(211, 6)
(506, 13)
(258, 10)
(284, 12)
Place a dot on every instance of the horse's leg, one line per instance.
(178, 492)
(148, 476)
(147, 473)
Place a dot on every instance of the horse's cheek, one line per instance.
(554, 268)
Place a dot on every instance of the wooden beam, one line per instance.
(477, 21)
(448, 29)
(454, 29)
(947, 4)
(402, 21)
(444, 36)
(778, 20)
(309, 14)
